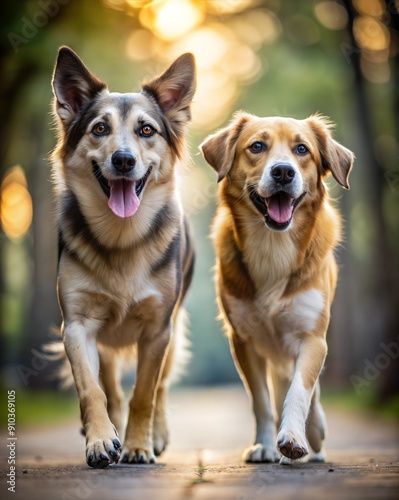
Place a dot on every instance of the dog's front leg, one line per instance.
(252, 368)
(291, 439)
(138, 446)
(102, 444)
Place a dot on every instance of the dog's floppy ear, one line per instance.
(219, 149)
(173, 91)
(73, 85)
(335, 158)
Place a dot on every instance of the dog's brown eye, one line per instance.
(257, 147)
(100, 129)
(147, 131)
(301, 149)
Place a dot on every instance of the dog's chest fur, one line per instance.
(274, 319)
(125, 280)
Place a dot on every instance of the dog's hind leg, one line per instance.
(138, 446)
(252, 368)
(111, 375)
(316, 427)
(281, 384)
(175, 362)
(160, 425)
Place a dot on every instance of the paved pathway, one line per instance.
(209, 430)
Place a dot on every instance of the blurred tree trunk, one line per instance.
(15, 78)
(389, 385)
(383, 278)
(20, 66)
(393, 12)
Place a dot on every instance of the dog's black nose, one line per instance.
(283, 173)
(123, 161)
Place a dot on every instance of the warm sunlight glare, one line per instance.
(141, 45)
(171, 19)
(225, 51)
(227, 6)
(208, 43)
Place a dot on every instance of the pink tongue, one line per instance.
(123, 200)
(280, 208)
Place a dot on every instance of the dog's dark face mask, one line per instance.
(123, 142)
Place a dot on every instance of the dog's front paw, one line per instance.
(102, 452)
(136, 455)
(290, 446)
(261, 453)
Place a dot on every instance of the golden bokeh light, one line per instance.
(227, 6)
(216, 93)
(241, 62)
(375, 8)
(370, 33)
(172, 19)
(16, 204)
(223, 62)
(141, 45)
(115, 4)
(265, 23)
(332, 15)
(136, 4)
(225, 47)
(209, 44)
(225, 51)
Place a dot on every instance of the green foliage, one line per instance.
(365, 402)
(42, 407)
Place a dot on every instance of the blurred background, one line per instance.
(268, 57)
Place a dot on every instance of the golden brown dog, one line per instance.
(126, 256)
(274, 233)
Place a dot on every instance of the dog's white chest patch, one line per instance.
(304, 311)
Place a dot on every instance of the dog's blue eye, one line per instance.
(301, 149)
(147, 131)
(257, 147)
(100, 129)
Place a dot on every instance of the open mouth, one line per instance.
(278, 209)
(123, 194)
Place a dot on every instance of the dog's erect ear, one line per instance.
(219, 149)
(174, 90)
(73, 85)
(335, 158)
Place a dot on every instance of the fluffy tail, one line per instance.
(179, 353)
(181, 346)
(55, 351)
